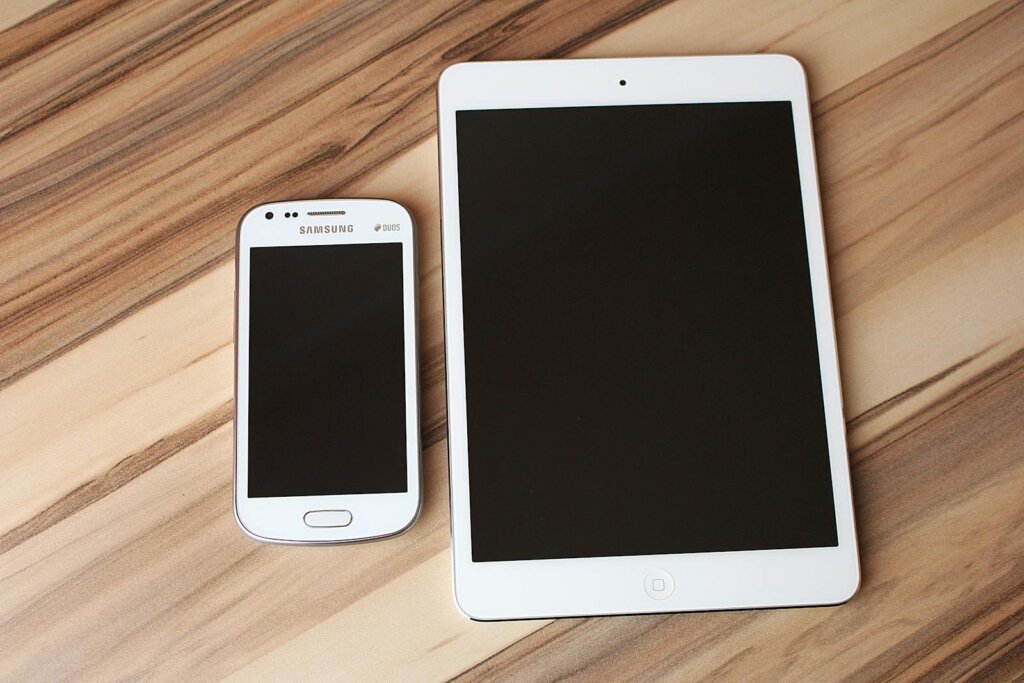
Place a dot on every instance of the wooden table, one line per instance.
(134, 135)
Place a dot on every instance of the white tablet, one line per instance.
(643, 394)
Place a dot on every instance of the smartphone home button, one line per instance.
(327, 518)
(659, 584)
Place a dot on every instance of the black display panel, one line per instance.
(326, 370)
(642, 371)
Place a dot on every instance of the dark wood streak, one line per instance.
(11, 372)
(1005, 125)
(919, 202)
(880, 408)
(230, 568)
(977, 656)
(166, 116)
(47, 604)
(986, 179)
(36, 298)
(80, 15)
(978, 382)
(638, 10)
(432, 369)
(997, 655)
(995, 648)
(150, 54)
(124, 471)
(477, 44)
(918, 57)
(609, 639)
(433, 432)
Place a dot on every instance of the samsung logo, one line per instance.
(323, 229)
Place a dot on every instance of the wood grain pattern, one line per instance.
(134, 134)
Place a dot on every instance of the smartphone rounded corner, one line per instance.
(412, 518)
(254, 209)
(404, 209)
(246, 530)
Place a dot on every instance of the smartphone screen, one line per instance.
(327, 413)
(642, 370)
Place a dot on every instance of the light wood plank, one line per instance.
(382, 637)
(15, 12)
(837, 41)
(118, 553)
(128, 388)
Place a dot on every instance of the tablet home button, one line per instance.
(659, 584)
(327, 518)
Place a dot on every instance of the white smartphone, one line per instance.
(327, 446)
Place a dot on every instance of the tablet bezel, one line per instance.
(525, 589)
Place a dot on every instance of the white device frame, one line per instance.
(374, 515)
(623, 585)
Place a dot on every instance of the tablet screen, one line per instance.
(642, 371)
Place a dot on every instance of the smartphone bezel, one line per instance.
(374, 515)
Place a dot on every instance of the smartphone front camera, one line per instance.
(622, 82)
(270, 214)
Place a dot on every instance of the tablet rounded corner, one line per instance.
(793, 64)
(461, 605)
(470, 606)
(851, 589)
(449, 74)
(845, 590)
